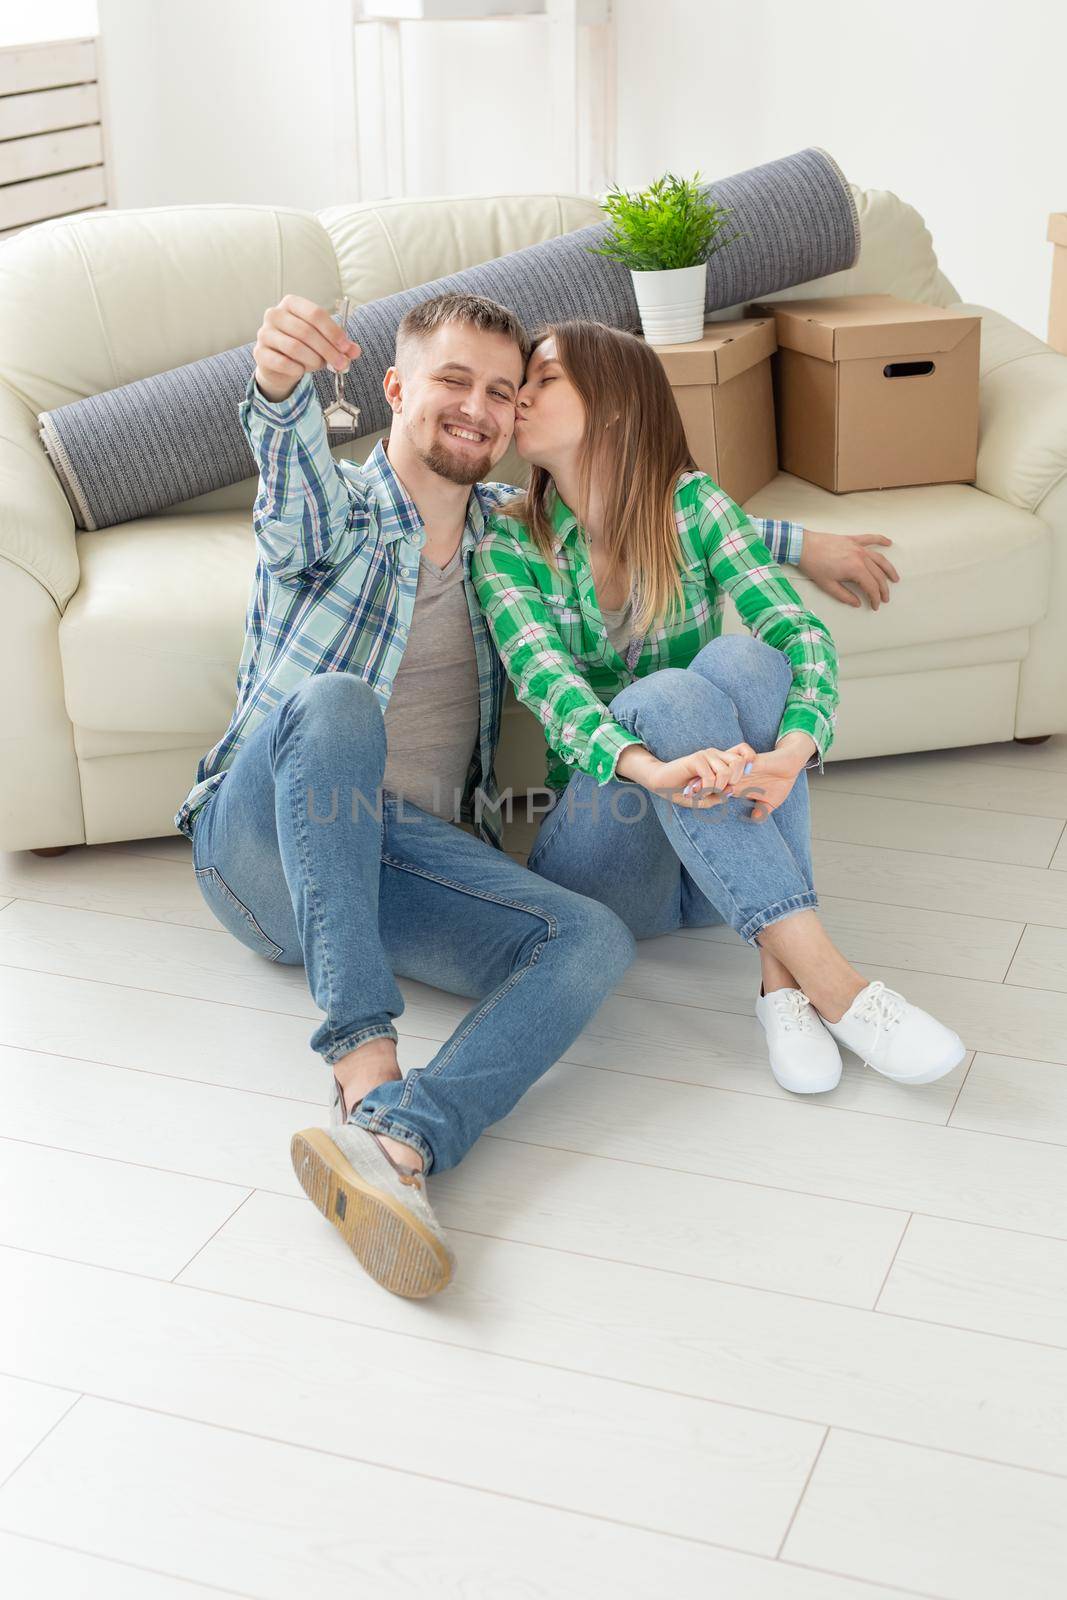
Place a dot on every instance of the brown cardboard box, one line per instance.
(1057, 303)
(722, 384)
(873, 392)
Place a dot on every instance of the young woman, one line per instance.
(677, 756)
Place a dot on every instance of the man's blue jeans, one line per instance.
(302, 858)
(660, 865)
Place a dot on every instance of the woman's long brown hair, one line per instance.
(634, 446)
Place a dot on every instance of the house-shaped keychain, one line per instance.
(341, 414)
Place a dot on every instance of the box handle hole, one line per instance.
(908, 369)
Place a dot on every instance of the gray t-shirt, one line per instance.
(618, 624)
(431, 721)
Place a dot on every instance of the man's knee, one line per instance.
(603, 945)
(328, 689)
(338, 701)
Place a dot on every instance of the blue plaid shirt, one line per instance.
(334, 586)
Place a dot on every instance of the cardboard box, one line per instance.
(1057, 303)
(722, 384)
(874, 392)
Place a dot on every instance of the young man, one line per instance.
(347, 819)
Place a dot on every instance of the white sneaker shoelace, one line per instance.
(793, 1008)
(881, 1006)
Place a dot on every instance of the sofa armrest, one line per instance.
(1022, 430)
(36, 523)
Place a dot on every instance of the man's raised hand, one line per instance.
(297, 336)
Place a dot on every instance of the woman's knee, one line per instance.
(740, 658)
(675, 711)
(670, 689)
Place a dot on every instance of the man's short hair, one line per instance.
(474, 310)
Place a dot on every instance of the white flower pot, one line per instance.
(671, 303)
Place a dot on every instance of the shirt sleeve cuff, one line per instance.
(811, 721)
(794, 544)
(611, 740)
(281, 412)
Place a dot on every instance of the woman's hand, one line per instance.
(773, 774)
(715, 770)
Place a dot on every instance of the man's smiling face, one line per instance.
(453, 393)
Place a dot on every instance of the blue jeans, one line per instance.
(662, 866)
(305, 861)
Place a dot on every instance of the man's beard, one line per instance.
(440, 460)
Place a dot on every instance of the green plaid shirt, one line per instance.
(548, 629)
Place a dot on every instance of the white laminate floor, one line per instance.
(705, 1338)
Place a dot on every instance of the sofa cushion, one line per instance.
(968, 564)
(384, 246)
(151, 640)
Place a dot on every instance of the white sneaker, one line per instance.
(804, 1058)
(378, 1206)
(896, 1038)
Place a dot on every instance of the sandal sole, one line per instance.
(387, 1241)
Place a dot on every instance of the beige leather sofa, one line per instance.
(118, 650)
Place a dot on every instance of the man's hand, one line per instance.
(297, 336)
(833, 559)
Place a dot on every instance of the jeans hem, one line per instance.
(807, 901)
(380, 1030)
(385, 1122)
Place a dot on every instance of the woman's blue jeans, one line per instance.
(660, 865)
(305, 861)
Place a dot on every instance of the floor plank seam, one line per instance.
(997, 812)
(893, 1261)
(504, 1494)
(129, 1566)
(201, 1248)
(803, 1491)
(691, 1172)
(35, 1447)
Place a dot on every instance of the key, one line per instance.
(341, 413)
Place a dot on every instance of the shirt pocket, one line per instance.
(703, 601)
(566, 617)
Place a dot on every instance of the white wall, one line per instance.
(38, 21)
(957, 106)
(230, 101)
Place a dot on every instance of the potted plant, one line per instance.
(665, 234)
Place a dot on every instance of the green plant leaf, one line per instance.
(673, 223)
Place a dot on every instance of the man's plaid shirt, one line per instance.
(334, 587)
(549, 631)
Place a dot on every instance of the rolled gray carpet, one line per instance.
(149, 444)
